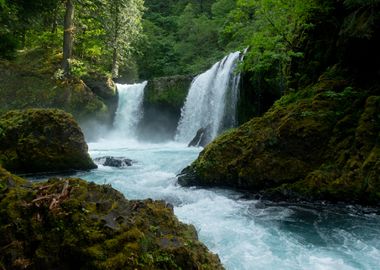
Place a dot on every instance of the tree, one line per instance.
(68, 36)
(123, 28)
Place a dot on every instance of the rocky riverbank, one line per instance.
(73, 224)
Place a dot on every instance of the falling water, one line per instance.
(211, 101)
(129, 111)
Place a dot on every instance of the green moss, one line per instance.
(319, 143)
(29, 82)
(92, 227)
(42, 140)
(168, 91)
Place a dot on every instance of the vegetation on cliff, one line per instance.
(38, 140)
(73, 224)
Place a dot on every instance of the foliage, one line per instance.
(273, 30)
(182, 37)
(101, 27)
(124, 26)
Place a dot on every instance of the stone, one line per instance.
(113, 161)
(42, 140)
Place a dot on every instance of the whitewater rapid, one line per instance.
(245, 233)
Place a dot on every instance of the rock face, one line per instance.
(321, 143)
(105, 89)
(72, 224)
(163, 100)
(114, 161)
(42, 140)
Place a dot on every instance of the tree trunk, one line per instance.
(115, 60)
(68, 36)
(115, 64)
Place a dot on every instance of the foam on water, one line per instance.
(246, 234)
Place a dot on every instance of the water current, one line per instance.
(244, 232)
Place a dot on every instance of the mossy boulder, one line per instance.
(321, 143)
(73, 224)
(163, 100)
(42, 140)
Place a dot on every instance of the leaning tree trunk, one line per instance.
(68, 36)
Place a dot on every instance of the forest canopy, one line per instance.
(139, 39)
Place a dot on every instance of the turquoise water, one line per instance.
(245, 233)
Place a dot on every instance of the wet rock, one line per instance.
(200, 138)
(114, 161)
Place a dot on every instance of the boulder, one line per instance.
(42, 140)
(321, 143)
(73, 224)
(113, 161)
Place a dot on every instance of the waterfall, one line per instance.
(211, 101)
(129, 111)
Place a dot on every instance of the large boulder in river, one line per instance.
(42, 140)
(322, 143)
(73, 224)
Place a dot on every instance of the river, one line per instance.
(245, 233)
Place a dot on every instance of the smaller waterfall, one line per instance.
(211, 101)
(129, 111)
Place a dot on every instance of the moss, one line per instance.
(38, 140)
(29, 82)
(72, 224)
(168, 91)
(163, 99)
(320, 143)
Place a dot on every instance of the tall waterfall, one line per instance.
(129, 111)
(211, 101)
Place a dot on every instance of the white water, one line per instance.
(205, 105)
(129, 111)
(245, 233)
